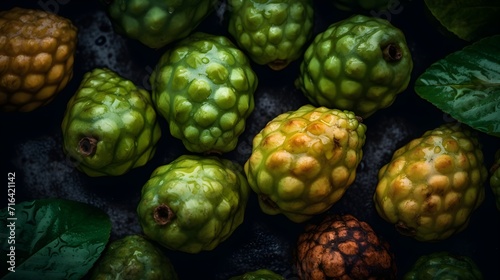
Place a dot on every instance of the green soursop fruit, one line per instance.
(259, 274)
(359, 64)
(193, 203)
(133, 257)
(444, 266)
(431, 186)
(272, 32)
(156, 23)
(109, 125)
(495, 179)
(362, 5)
(303, 161)
(204, 87)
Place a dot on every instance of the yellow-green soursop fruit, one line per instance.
(303, 161)
(359, 64)
(193, 203)
(431, 186)
(495, 179)
(133, 257)
(109, 125)
(204, 87)
(272, 32)
(156, 23)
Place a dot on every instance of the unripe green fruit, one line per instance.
(133, 257)
(272, 32)
(156, 23)
(204, 87)
(193, 203)
(444, 266)
(259, 274)
(303, 161)
(109, 125)
(431, 186)
(359, 64)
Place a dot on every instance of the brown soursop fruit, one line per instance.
(342, 247)
(431, 186)
(303, 161)
(36, 58)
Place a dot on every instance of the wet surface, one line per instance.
(32, 147)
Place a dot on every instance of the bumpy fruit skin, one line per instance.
(36, 58)
(133, 257)
(204, 87)
(442, 266)
(157, 23)
(303, 161)
(272, 32)
(193, 203)
(109, 125)
(260, 274)
(359, 64)
(495, 179)
(361, 5)
(431, 186)
(342, 247)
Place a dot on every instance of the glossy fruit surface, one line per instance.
(133, 257)
(204, 87)
(109, 125)
(360, 64)
(431, 186)
(32, 147)
(36, 57)
(303, 161)
(444, 265)
(156, 23)
(272, 32)
(193, 203)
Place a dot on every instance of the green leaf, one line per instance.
(53, 239)
(466, 85)
(468, 19)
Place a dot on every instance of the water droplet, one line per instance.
(101, 40)
(171, 10)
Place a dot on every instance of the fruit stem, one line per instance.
(163, 214)
(87, 146)
(392, 52)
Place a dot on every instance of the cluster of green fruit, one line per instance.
(301, 162)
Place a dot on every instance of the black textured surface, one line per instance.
(31, 147)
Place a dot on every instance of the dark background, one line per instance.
(31, 146)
